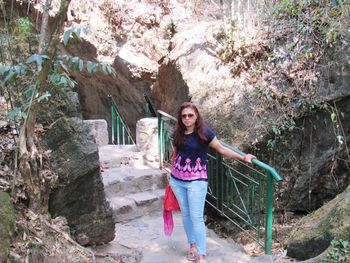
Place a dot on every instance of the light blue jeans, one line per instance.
(191, 197)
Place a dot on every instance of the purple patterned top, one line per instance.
(191, 160)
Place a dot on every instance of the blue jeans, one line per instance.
(191, 198)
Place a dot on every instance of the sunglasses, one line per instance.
(190, 115)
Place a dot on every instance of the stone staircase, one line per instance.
(132, 188)
(135, 191)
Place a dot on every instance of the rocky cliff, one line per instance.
(279, 90)
(290, 110)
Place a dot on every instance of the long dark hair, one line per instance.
(180, 128)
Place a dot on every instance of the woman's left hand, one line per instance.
(248, 158)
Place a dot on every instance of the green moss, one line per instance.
(330, 221)
(7, 223)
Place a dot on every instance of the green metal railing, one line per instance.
(166, 124)
(240, 192)
(120, 132)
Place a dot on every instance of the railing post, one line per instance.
(118, 130)
(269, 216)
(160, 140)
(112, 124)
(220, 181)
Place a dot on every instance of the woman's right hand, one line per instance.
(248, 158)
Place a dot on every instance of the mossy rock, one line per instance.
(7, 224)
(313, 234)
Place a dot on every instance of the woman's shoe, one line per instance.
(192, 254)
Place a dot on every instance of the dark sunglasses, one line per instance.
(190, 115)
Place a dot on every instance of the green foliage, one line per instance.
(238, 51)
(75, 32)
(335, 117)
(80, 65)
(62, 80)
(339, 252)
(24, 25)
(16, 77)
(226, 36)
(321, 19)
(38, 59)
(278, 132)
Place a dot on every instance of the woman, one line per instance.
(189, 180)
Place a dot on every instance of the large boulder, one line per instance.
(7, 225)
(313, 234)
(192, 70)
(127, 88)
(79, 195)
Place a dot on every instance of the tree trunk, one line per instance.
(30, 161)
(43, 28)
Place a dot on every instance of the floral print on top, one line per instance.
(191, 160)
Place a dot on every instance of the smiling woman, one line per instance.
(189, 178)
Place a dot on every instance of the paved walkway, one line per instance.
(145, 235)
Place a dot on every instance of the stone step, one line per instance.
(127, 180)
(126, 208)
(112, 156)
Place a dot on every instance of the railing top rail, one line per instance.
(167, 115)
(264, 166)
(113, 101)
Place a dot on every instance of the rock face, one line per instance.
(7, 225)
(314, 157)
(135, 71)
(312, 235)
(79, 195)
(93, 94)
(193, 71)
(313, 160)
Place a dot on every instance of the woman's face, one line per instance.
(188, 117)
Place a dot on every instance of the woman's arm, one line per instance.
(217, 146)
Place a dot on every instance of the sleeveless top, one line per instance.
(190, 162)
